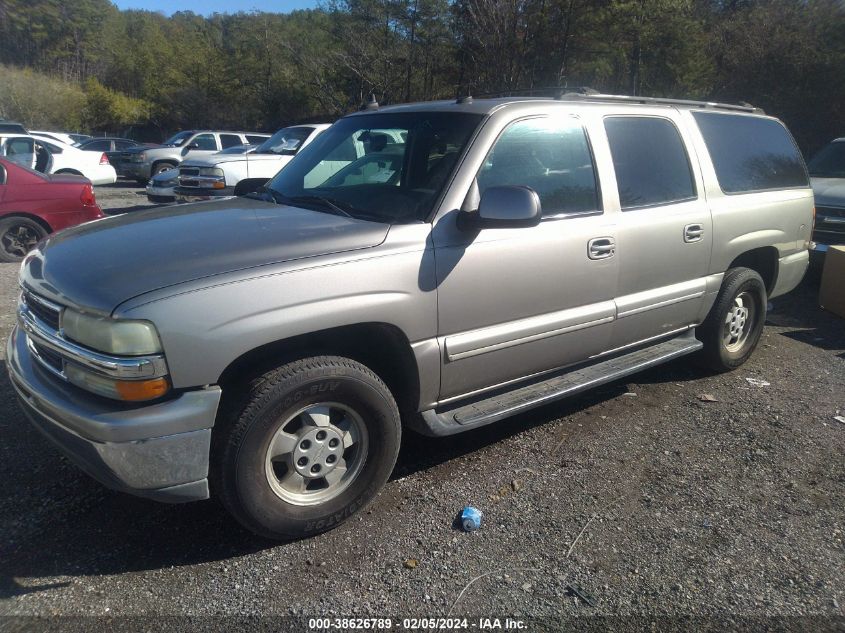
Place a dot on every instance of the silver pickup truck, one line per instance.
(480, 259)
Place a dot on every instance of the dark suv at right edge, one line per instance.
(827, 175)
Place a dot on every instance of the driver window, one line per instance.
(204, 142)
(550, 155)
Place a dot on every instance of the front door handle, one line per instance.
(601, 248)
(693, 233)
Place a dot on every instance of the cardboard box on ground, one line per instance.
(832, 290)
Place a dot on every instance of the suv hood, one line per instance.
(99, 265)
(217, 159)
(829, 191)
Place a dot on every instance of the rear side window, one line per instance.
(751, 153)
(651, 163)
(97, 146)
(256, 140)
(550, 155)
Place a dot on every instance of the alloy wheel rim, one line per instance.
(19, 240)
(316, 453)
(738, 322)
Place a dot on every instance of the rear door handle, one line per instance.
(693, 233)
(601, 248)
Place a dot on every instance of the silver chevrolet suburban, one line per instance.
(479, 259)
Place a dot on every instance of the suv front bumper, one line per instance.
(159, 451)
(199, 194)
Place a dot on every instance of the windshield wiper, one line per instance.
(326, 202)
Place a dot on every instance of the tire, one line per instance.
(18, 236)
(732, 329)
(160, 167)
(267, 436)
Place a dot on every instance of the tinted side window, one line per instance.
(124, 144)
(97, 146)
(650, 161)
(204, 142)
(751, 153)
(256, 140)
(230, 140)
(550, 155)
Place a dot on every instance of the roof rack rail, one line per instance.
(588, 94)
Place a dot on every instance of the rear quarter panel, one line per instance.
(782, 219)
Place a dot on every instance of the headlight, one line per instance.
(112, 336)
(213, 172)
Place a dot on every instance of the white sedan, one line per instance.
(50, 156)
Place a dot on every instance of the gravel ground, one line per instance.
(656, 504)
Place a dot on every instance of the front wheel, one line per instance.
(733, 328)
(305, 446)
(18, 236)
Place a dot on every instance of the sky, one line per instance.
(207, 7)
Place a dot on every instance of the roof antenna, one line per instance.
(372, 104)
(464, 98)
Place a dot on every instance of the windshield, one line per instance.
(286, 141)
(830, 162)
(178, 139)
(383, 167)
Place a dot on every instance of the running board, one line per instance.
(503, 405)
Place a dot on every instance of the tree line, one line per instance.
(87, 65)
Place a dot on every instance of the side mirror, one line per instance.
(192, 146)
(504, 207)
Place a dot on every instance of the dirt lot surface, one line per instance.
(644, 497)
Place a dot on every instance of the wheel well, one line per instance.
(70, 171)
(34, 218)
(382, 347)
(248, 185)
(162, 162)
(764, 261)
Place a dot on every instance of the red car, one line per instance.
(34, 204)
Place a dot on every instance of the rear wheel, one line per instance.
(733, 328)
(305, 446)
(18, 236)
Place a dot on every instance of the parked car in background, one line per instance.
(482, 258)
(160, 187)
(33, 205)
(63, 137)
(205, 177)
(827, 174)
(11, 127)
(240, 149)
(112, 146)
(144, 163)
(55, 157)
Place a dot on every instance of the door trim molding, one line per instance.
(523, 331)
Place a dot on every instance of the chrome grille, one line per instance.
(45, 311)
(50, 359)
